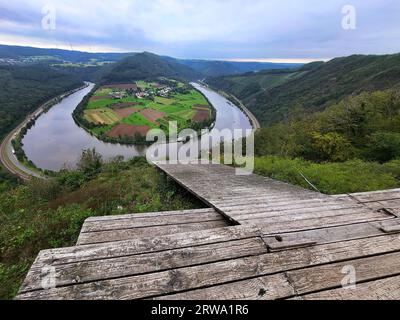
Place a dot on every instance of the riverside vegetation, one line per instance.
(49, 213)
(336, 123)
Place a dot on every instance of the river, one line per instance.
(55, 141)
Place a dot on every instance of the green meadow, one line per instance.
(178, 104)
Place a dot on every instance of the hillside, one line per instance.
(147, 66)
(318, 86)
(211, 68)
(246, 85)
(23, 89)
(20, 53)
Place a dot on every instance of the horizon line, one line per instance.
(121, 51)
(279, 60)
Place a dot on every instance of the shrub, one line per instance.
(332, 146)
(384, 146)
(331, 178)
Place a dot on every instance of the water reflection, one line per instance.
(56, 141)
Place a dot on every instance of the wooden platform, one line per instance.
(260, 239)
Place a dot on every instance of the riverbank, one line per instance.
(253, 120)
(7, 153)
(56, 142)
(101, 130)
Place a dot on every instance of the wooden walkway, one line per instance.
(260, 239)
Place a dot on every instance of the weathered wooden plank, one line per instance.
(390, 203)
(288, 208)
(383, 289)
(126, 234)
(332, 275)
(391, 229)
(287, 202)
(150, 214)
(195, 173)
(297, 214)
(146, 244)
(263, 288)
(392, 206)
(141, 222)
(93, 270)
(290, 283)
(335, 234)
(284, 245)
(290, 226)
(377, 195)
(276, 200)
(194, 277)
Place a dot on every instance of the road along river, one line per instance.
(56, 141)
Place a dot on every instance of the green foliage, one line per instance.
(249, 84)
(366, 126)
(331, 146)
(25, 88)
(90, 163)
(384, 146)
(148, 66)
(331, 178)
(45, 214)
(221, 68)
(314, 87)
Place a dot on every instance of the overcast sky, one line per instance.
(210, 29)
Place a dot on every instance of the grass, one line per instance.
(166, 101)
(96, 104)
(103, 91)
(102, 116)
(49, 214)
(137, 119)
(143, 84)
(177, 107)
(101, 130)
(186, 114)
(171, 109)
(332, 178)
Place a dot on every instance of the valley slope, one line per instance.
(312, 87)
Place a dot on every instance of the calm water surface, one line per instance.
(56, 141)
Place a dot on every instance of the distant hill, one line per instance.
(24, 88)
(148, 66)
(73, 61)
(312, 87)
(212, 68)
(18, 52)
(246, 85)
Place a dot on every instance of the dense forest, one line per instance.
(19, 52)
(334, 124)
(145, 66)
(24, 88)
(318, 86)
(210, 68)
(351, 146)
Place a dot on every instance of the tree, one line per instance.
(332, 146)
(90, 163)
(384, 146)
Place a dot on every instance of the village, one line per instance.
(141, 91)
(126, 112)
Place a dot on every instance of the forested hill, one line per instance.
(210, 68)
(24, 88)
(312, 87)
(148, 66)
(18, 52)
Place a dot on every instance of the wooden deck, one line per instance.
(260, 239)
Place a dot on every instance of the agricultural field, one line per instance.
(126, 110)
